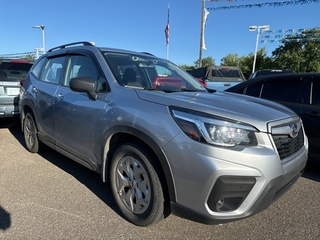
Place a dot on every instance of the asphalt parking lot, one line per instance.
(48, 196)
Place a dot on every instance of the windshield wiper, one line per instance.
(171, 89)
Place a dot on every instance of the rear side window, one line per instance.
(284, 90)
(37, 69)
(53, 69)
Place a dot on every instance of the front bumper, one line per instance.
(233, 184)
(270, 194)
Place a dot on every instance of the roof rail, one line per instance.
(84, 43)
(147, 53)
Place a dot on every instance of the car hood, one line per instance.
(254, 111)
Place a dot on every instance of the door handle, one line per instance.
(59, 97)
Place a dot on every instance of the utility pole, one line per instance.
(201, 32)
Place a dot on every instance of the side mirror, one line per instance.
(84, 84)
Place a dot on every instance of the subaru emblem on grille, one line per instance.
(293, 130)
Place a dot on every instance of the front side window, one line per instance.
(83, 66)
(254, 90)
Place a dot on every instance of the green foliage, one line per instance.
(300, 53)
(231, 60)
(206, 62)
(29, 58)
(246, 62)
(185, 66)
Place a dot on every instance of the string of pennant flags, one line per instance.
(302, 40)
(290, 35)
(260, 5)
(291, 31)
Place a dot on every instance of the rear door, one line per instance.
(43, 90)
(310, 114)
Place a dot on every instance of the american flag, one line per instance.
(166, 30)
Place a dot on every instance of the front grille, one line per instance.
(287, 145)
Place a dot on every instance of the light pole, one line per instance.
(43, 42)
(201, 32)
(259, 29)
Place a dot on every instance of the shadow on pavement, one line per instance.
(5, 219)
(87, 177)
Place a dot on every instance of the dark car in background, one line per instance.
(218, 77)
(12, 72)
(298, 91)
(266, 72)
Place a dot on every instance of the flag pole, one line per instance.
(166, 32)
(201, 32)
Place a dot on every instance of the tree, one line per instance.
(245, 63)
(206, 62)
(185, 66)
(231, 60)
(300, 52)
(29, 57)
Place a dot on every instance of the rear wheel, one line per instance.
(136, 185)
(30, 133)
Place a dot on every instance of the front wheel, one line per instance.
(136, 185)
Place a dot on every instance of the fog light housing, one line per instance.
(229, 192)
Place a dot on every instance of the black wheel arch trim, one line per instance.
(148, 141)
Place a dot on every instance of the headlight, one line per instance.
(217, 131)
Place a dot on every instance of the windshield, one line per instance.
(149, 72)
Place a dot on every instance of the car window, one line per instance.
(14, 69)
(280, 89)
(315, 98)
(52, 70)
(253, 90)
(37, 69)
(83, 66)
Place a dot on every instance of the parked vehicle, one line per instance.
(266, 72)
(298, 91)
(165, 144)
(218, 77)
(12, 71)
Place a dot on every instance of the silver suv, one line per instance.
(164, 143)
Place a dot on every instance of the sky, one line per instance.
(139, 25)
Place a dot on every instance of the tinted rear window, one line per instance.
(14, 70)
(285, 90)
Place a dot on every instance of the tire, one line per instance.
(136, 185)
(30, 134)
